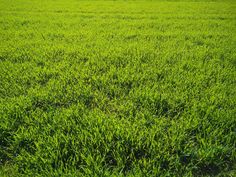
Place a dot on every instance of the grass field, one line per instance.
(117, 88)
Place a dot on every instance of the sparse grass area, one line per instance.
(117, 88)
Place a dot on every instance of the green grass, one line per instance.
(117, 88)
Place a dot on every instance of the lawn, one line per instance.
(117, 88)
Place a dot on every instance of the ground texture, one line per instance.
(117, 88)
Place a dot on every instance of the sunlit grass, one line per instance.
(117, 88)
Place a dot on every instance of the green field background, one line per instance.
(117, 88)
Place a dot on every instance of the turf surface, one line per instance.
(117, 88)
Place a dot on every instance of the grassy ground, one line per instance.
(117, 88)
